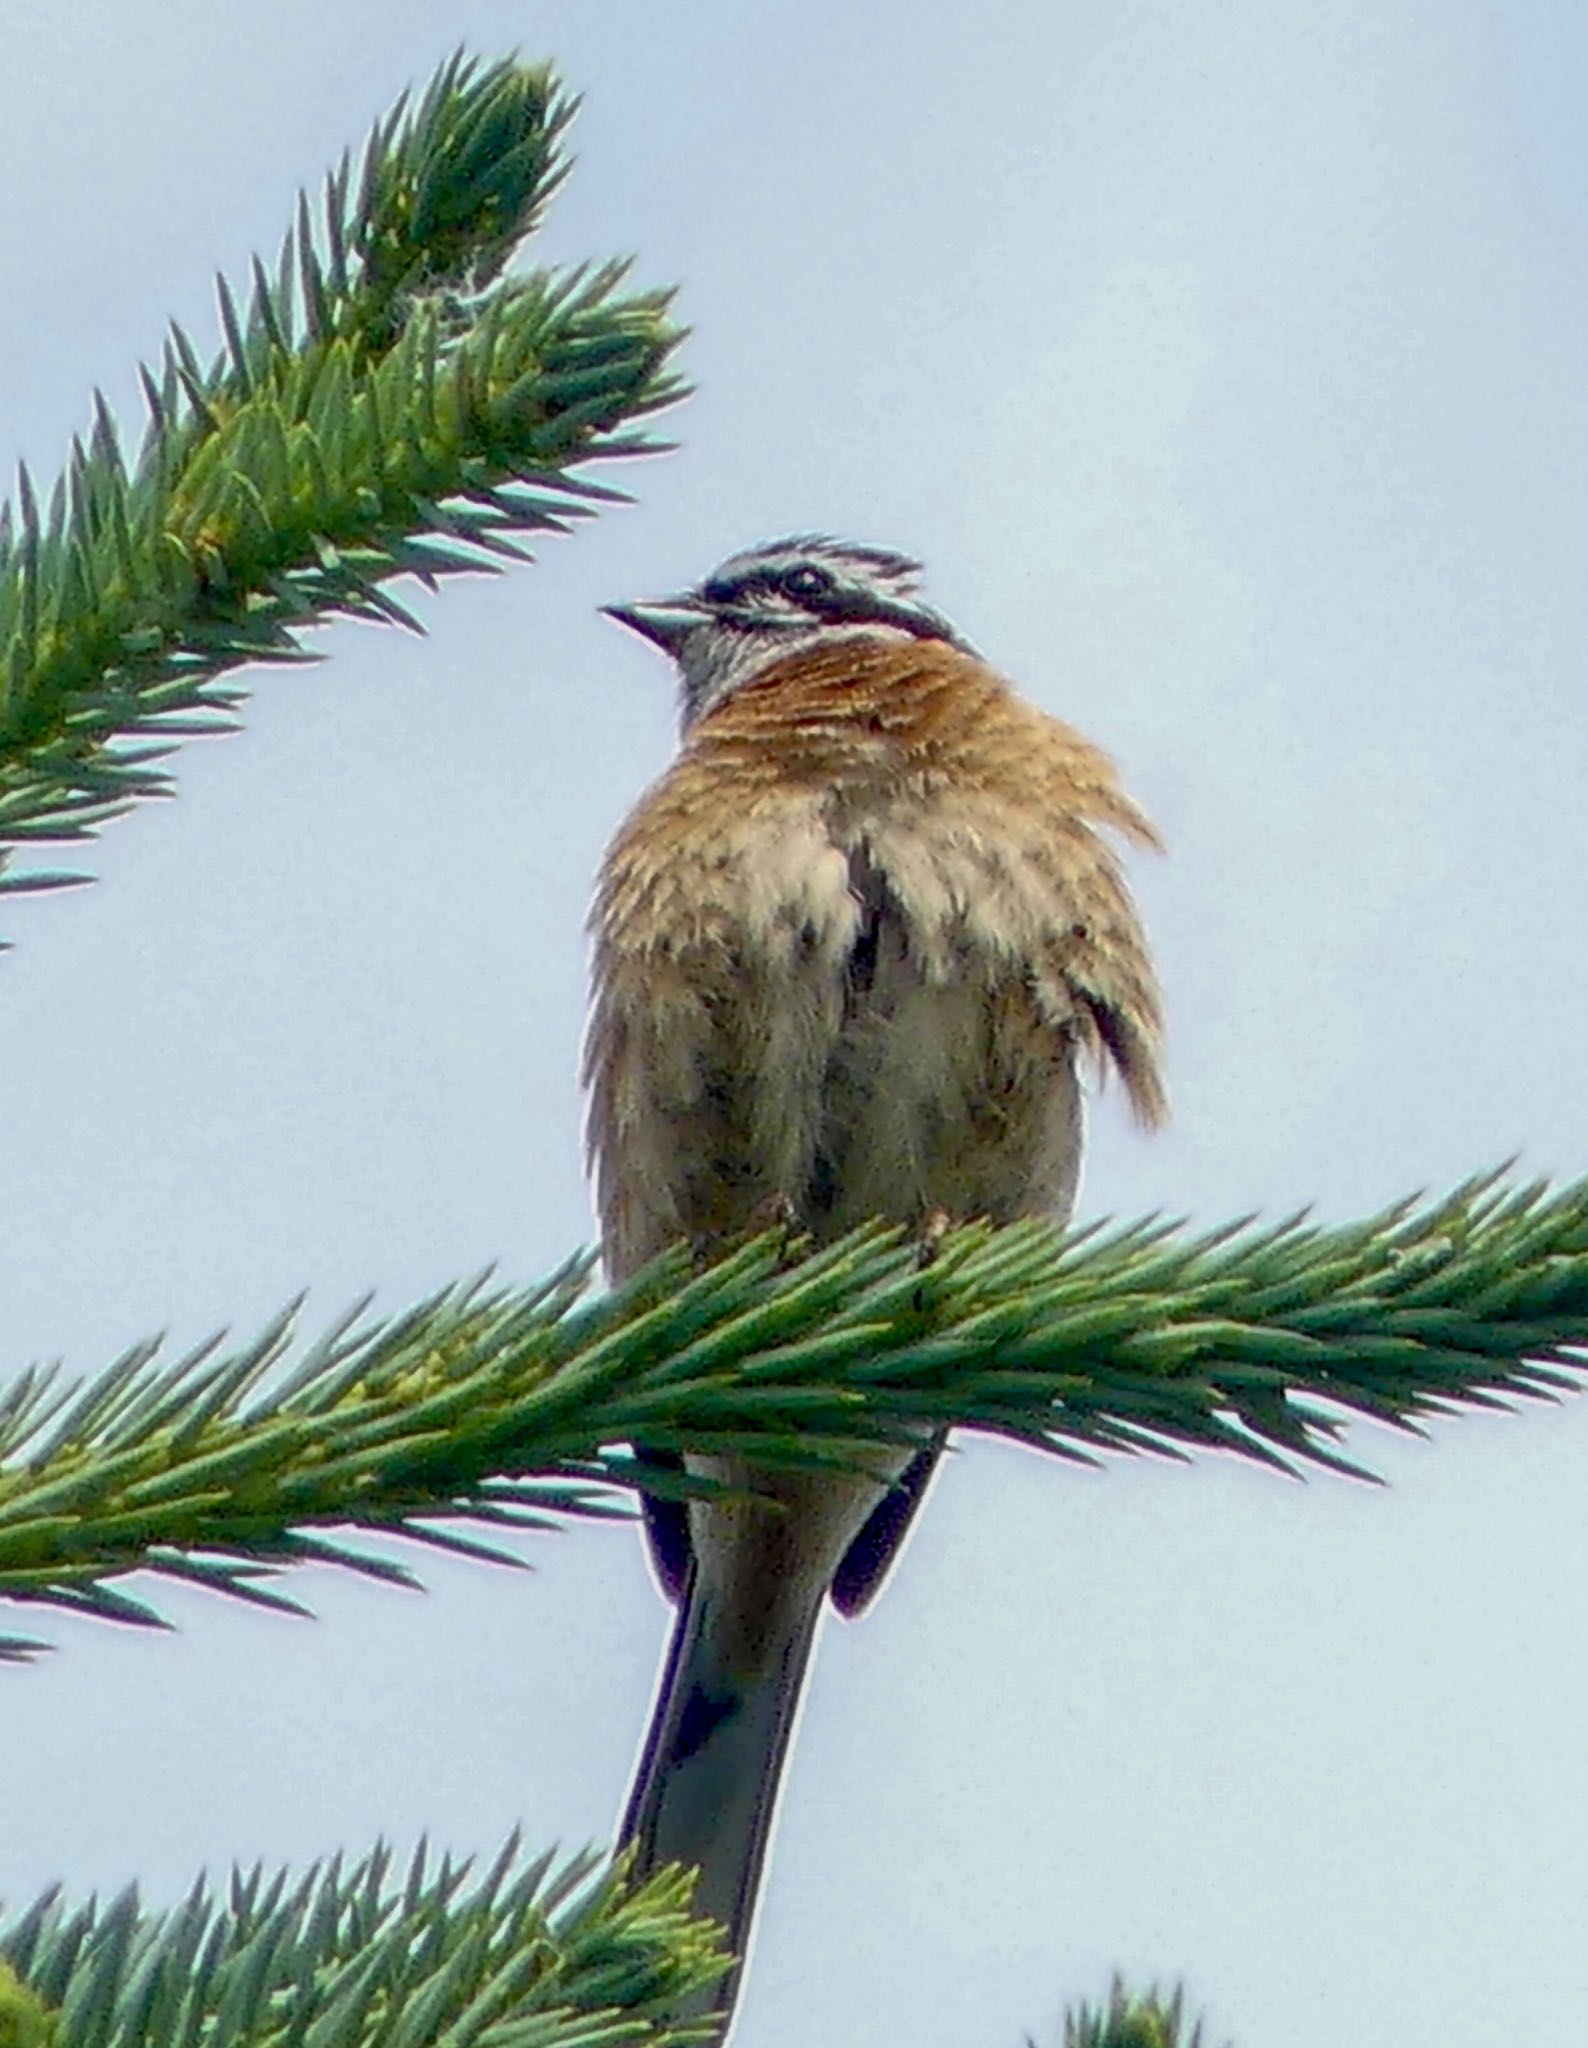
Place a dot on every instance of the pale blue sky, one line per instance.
(1224, 361)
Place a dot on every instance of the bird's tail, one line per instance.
(705, 1791)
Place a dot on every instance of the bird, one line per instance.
(851, 956)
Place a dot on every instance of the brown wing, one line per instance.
(721, 925)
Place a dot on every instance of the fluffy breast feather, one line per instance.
(726, 913)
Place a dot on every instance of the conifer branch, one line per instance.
(1132, 2021)
(387, 404)
(501, 1407)
(528, 1956)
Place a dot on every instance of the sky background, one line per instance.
(1224, 362)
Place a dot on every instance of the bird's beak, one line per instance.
(665, 622)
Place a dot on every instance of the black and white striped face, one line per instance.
(771, 601)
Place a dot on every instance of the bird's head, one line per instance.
(771, 601)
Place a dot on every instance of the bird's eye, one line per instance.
(805, 581)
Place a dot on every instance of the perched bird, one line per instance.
(849, 954)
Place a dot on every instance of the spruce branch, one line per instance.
(388, 404)
(495, 1406)
(527, 1956)
(1129, 2021)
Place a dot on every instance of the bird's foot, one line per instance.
(935, 1226)
(773, 1213)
